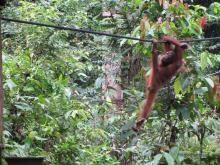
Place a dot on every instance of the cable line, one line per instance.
(98, 32)
(74, 29)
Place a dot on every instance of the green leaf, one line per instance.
(195, 29)
(128, 125)
(147, 26)
(40, 138)
(152, 31)
(213, 124)
(28, 89)
(123, 41)
(98, 82)
(199, 7)
(168, 158)
(10, 84)
(131, 149)
(201, 90)
(135, 32)
(215, 7)
(71, 113)
(156, 160)
(68, 92)
(174, 151)
(205, 60)
(195, 126)
(184, 112)
(185, 82)
(164, 28)
(210, 82)
(23, 106)
(177, 86)
(138, 2)
(83, 75)
(32, 134)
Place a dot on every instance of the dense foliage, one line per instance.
(55, 105)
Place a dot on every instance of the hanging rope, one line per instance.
(97, 32)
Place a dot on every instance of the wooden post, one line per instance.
(1, 98)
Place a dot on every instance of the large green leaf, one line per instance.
(177, 86)
(156, 160)
(168, 158)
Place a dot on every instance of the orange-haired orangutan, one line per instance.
(164, 67)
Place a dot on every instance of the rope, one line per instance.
(73, 29)
(98, 32)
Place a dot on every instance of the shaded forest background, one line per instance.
(73, 97)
